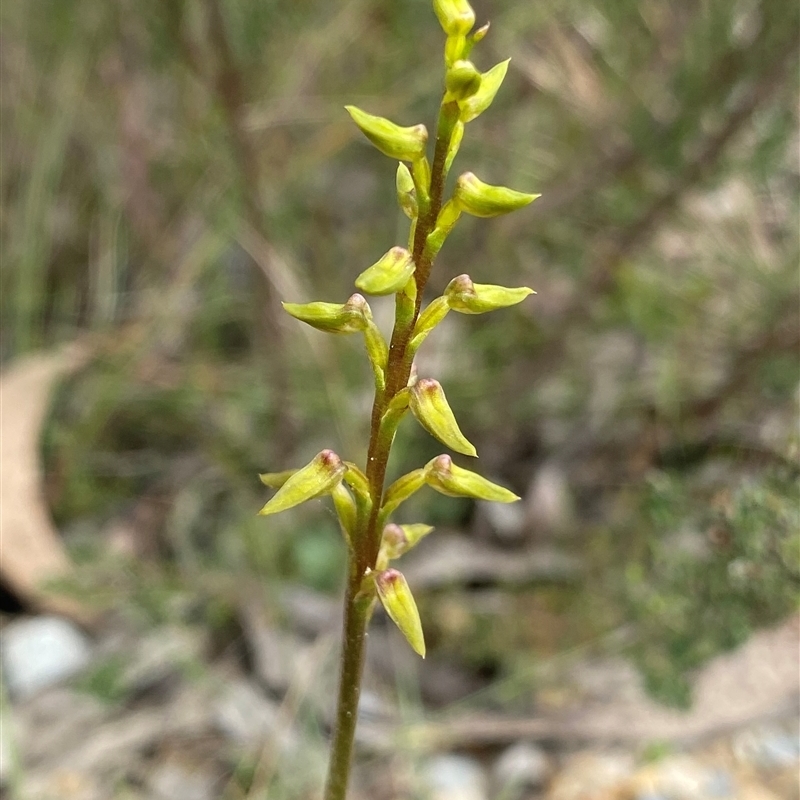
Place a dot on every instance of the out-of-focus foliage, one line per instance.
(707, 583)
(171, 169)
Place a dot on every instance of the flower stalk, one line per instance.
(361, 499)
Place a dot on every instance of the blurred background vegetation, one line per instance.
(172, 169)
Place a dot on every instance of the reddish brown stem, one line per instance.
(398, 370)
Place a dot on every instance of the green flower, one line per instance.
(318, 477)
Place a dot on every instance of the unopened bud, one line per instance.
(318, 477)
(397, 540)
(477, 103)
(393, 544)
(455, 16)
(429, 405)
(348, 317)
(402, 144)
(406, 193)
(483, 200)
(480, 33)
(389, 274)
(462, 80)
(399, 603)
(466, 297)
(446, 478)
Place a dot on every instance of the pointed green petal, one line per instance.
(319, 476)
(445, 477)
(429, 405)
(491, 81)
(402, 144)
(348, 317)
(415, 532)
(484, 200)
(389, 274)
(466, 297)
(276, 479)
(401, 490)
(399, 603)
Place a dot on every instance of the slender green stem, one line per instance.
(398, 369)
(356, 618)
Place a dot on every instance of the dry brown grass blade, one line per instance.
(31, 551)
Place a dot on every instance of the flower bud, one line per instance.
(479, 34)
(399, 539)
(393, 544)
(429, 405)
(483, 200)
(445, 477)
(348, 317)
(466, 297)
(399, 603)
(401, 490)
(455, 16)
(318, 477)
(477, 103)
(389, 274)
(402, 144)
(406, 193)
(462, 80)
